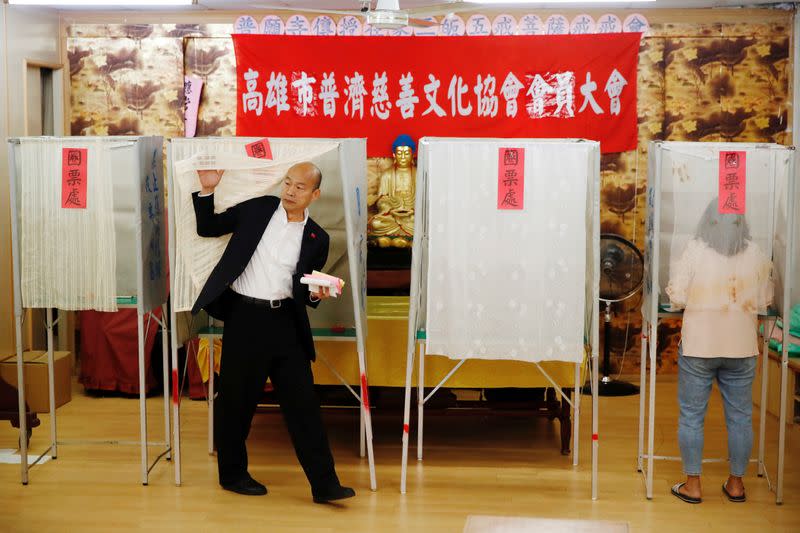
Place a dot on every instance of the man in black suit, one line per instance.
(255, 288)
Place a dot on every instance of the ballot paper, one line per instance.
(317, 279)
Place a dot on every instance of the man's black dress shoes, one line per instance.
(330, 494)
(247, 486)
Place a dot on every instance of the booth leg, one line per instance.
(782, 421)
(23, 419)
(142, 402)
(51, 383)
(210, 396)
(406, 419)
(576, 416)
(652, 410)
(165, 378)
(762, 421)
(362, 431)
(176, 408)
(642, 392)
(420, 401)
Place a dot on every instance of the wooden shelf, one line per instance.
(794, 362)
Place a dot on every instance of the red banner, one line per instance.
(570, 86)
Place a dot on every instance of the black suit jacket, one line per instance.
(247, 222)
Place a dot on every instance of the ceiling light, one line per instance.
(103, 3)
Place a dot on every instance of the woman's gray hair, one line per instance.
(727, 233)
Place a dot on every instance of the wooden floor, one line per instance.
(474, 465)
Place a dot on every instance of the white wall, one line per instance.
(25, 34)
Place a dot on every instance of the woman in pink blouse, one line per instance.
(722, 281)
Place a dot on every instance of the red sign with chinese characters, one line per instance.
(73, 178)
(511, 179)
(562, 86)
(732, 182)
(259, 149)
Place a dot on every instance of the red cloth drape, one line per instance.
(109, 351)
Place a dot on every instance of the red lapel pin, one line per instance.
(313, 235)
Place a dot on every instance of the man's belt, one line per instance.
(273, 304)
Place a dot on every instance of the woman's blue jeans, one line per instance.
(735, 381)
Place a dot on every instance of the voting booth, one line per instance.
(505, 261)
(88, 233)
(720, 235)
(255, 167)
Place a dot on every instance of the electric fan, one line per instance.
(621, 276)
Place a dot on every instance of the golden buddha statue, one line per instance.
(393, 223)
